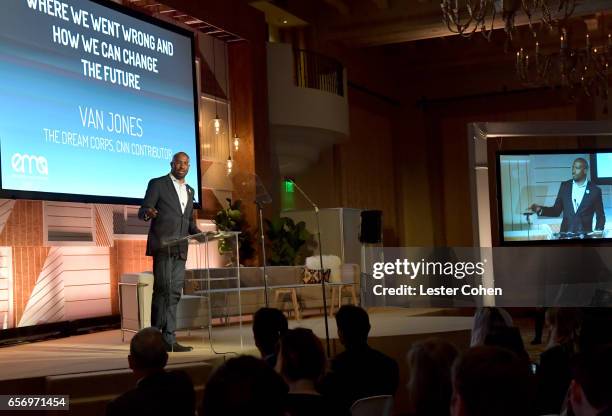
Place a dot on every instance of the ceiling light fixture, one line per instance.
(466, 17)
(582, 70)
(216, 126)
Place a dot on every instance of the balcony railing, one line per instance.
(313, 70)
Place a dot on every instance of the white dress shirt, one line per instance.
(578, 193)
(181, 191)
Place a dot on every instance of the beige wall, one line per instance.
(358, 173)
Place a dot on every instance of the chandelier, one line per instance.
(466, 17)
(579, 70)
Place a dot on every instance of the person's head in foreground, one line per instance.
(301, 361)
(510, 339)
(590, 391)
(564, 325)
(242, 386)
(269, 325)
(353, 325)
(490, 381)
(429, 377)
(486, 320)
(147, 352)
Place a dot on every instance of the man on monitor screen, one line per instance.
(578, 199)
(168, 203)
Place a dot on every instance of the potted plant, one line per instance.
(232, 219)
(289, 243)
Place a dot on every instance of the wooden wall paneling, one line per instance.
(6, 288)
(242, 96)
(27, 265)
(73, 283)
(450, 161)
(104, 224)
(367, 175)
(126, 256)
(412, 189)
(6, 207)
(69, 222)
(23, 225)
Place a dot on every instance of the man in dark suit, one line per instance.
(579, 200)
(157, 392)
(360, 371)
(168, 203)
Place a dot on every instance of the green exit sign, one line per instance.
(289, 186)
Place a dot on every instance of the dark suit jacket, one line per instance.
(582, 219)
(164, 393)
(357, 373)
(171, 223)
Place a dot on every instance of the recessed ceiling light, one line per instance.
(285, 21)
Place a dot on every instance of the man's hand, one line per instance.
(150, 213)
(535, 208)
(201, 238)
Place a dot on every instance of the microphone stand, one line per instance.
(263, 250)
(527, 214)
(316, 210)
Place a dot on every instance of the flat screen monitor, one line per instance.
(555, 196)
(94, 101)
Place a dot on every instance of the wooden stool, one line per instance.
(337, 289)
(293, 292)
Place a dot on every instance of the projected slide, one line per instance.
(604, 165)
(553, 196)
(93, 102)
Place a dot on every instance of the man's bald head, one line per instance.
(579, 169)
(177, 154)
(180, 165)
(148, 350)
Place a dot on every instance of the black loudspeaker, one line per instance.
(371, 227)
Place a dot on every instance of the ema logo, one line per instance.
(30, 164)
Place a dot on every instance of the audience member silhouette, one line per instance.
(359, 371)
(538, 325)
(554, 374)
(486, 320)
(269, 325)
(595, 328)
(509, 338)
(158, 392)
(242, 386)
(590, 392)
(301, 363)
(429, 377)
(491, 381)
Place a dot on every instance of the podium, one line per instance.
(200, 283)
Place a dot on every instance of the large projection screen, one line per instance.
(94, 101)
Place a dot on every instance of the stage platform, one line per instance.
(31, 366)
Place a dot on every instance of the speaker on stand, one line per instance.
(370, 236)
(371, 227)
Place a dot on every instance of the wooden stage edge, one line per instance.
(393, 331)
